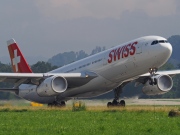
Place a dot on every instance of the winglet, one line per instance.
(18, 62)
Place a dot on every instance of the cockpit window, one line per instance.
(154, 42)
(159, 41)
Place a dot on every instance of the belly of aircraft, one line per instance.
(95, 87)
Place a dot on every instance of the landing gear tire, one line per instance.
(152, 81)
(109, 104)
(115, 103)
(63, 104)
(50, 105)
(57, 104)
(122, 103)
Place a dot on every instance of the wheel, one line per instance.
(63, 103)
(57, 104)
(109, 104)
(150, 81)
(122, 103)
(155, 81)
(114, 102)
(50, 104)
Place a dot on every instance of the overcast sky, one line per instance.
(48, 27)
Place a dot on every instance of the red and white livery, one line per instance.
(137, 60)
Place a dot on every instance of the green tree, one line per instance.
(6, 95)
(5, 67)
(167, 66)
(42, 67)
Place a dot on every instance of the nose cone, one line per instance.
(167, 49)
(162, 53)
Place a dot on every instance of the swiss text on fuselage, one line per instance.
(122, 52)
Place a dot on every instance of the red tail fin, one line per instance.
(18, 61)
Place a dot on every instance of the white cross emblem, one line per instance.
(16, 60)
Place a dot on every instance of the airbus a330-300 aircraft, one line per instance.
(137, 60)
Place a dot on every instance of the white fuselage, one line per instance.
(114, 66)
(117, 65)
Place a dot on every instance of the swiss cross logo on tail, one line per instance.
(16, 60)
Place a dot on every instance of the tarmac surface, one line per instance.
(131, 102)
(102, 102)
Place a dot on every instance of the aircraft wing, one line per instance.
(171, 73)
(73, 79)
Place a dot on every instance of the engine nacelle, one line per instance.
(163, 84)
(52, 86)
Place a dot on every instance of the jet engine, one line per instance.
(52, 86)
(162, 84)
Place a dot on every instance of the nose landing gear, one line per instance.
(152, 80)
(153, 71)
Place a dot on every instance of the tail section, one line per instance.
(18, 62)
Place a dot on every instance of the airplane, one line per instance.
(137, 60)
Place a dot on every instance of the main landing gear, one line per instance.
(57, 104)
(115, 102)
(152, 80)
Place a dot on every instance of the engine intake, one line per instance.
(163, 84)
(52, 86)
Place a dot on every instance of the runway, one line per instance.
(102, 102)
(131, 101)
